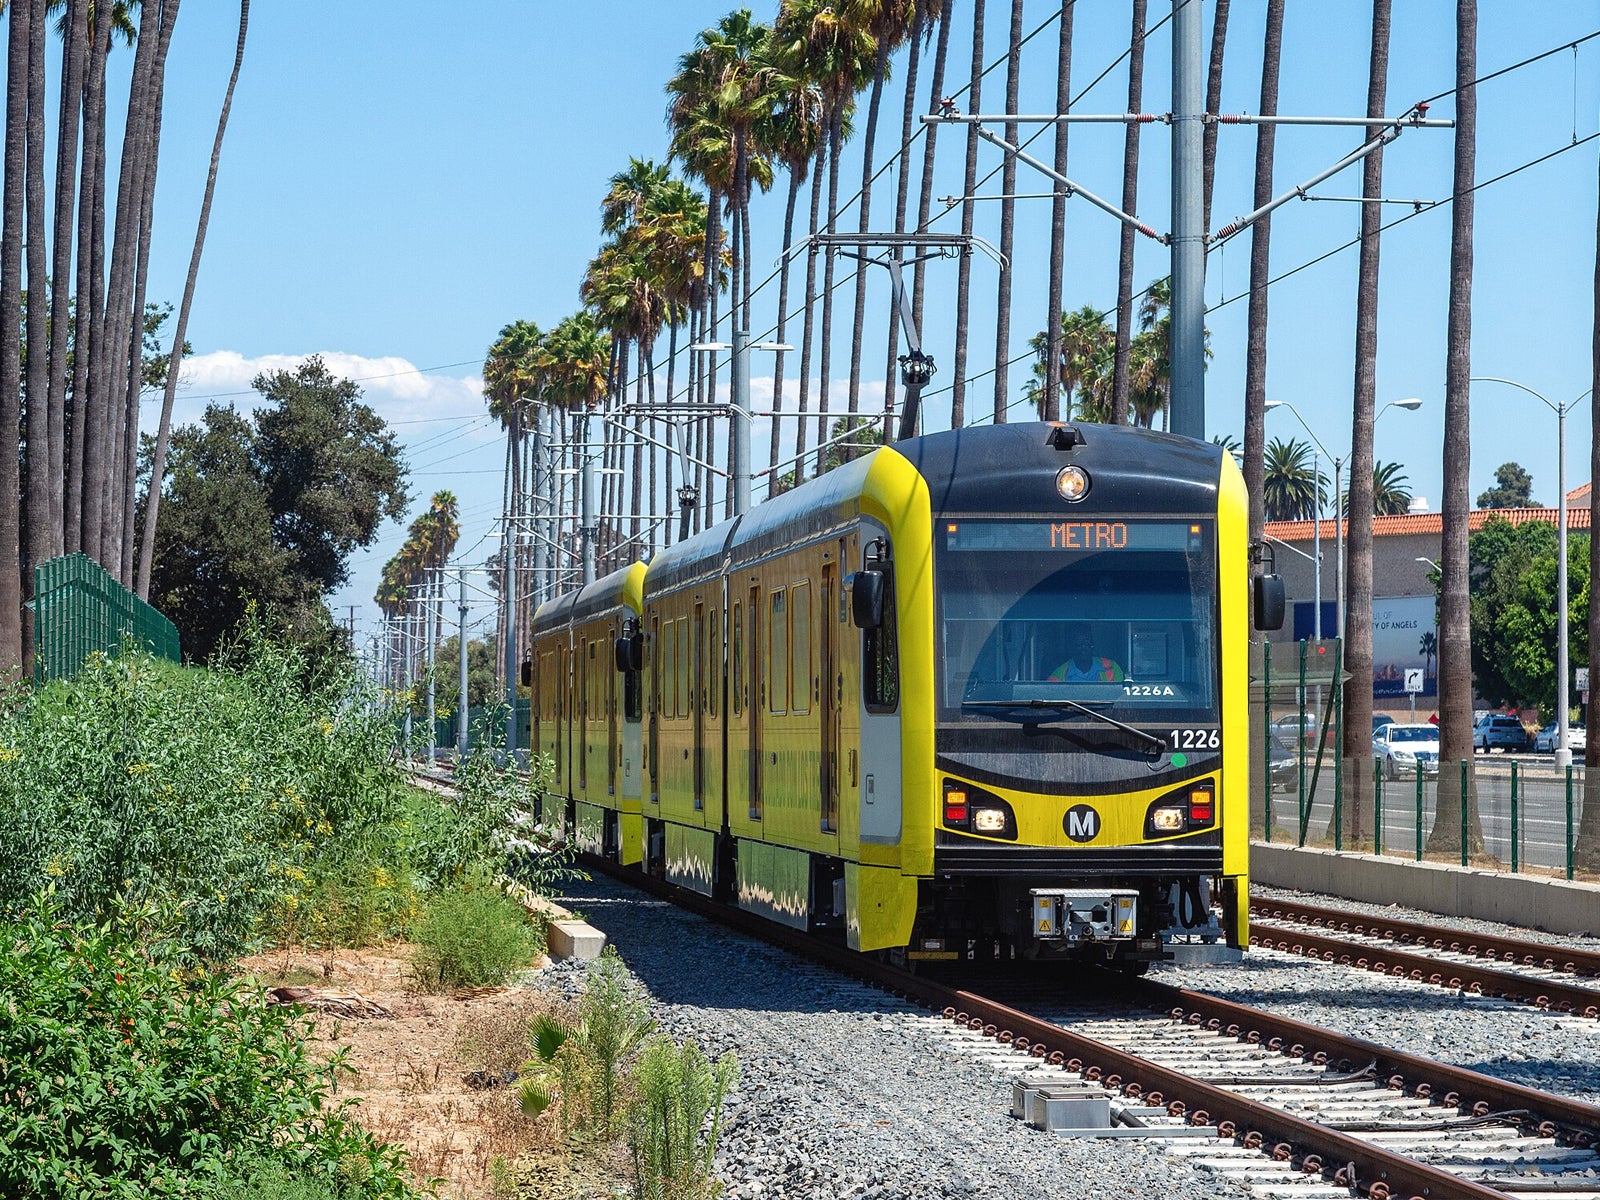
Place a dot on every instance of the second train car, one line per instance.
(980, 694)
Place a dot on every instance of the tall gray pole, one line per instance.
(1188, 238)
(586, 505)
(1339, 518)
(739, 428)
(544, 506)
(427, 641)
(405, 668)
(509, 650)
(461, 673)
(1316, 545)
(1563, 751)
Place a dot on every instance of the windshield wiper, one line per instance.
(1076, 706)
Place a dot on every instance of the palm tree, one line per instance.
(1130, 202)
(930, 138)
(1083, 343)
(888, 23)
(1291, 491)
(1208, 139)
(1455, 649)
(11, 238)
(1428, 647)
(1255, 374)
(1008, 220)
(1358, 552)
(1050, 408)
(41, 537)
(1390, 495)
(958, 385)
(159, 454)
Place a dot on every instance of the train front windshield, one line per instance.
(1116, 615)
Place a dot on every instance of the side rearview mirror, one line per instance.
(866, 599)
(629, 653)
(527, 673)
(1269, 603)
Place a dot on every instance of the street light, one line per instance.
(1563, 751)
(1411, 404)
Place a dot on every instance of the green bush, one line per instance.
(677, 1095)
(472, 937)
(126, 1073)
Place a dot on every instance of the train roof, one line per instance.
(802, 513)
(621, 589)
(695, 558)
(1012, 468)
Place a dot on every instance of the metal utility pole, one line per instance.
(739, 427)
(461, 654)
(1188, 237)
(405, 668)
(543, 503)
(508, 652)
(591, 530)
(427, 641)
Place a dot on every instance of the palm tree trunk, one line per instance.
(1130, 203)
(91, 286)
(180, 330)
(824, 367)
(809, 324)
(1008, 224)
(795, 177)
(1255, 377)
(958, 385)
(1357, 631)
(1058, 223)
(925, 197)
(1587, 850)
(880, 66)
(11, 238)
(74, 58)
(1208, 138)
(1455, 630)
(41, 534)
(908, 118)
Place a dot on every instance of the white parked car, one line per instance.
(1403, 748)
(1545, 740)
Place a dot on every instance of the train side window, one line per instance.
(800, 641)
(669, 672)
(681, 679)
(880, 656)
(736, 653)
(713, 672)
(777, 652)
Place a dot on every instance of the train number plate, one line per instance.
(1195, 739)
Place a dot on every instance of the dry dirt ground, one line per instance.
(411, 1076)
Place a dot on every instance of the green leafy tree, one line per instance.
(270, 507)
(1513, 488)
(1514, 611)
(481, 662)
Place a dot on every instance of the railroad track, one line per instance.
(1287, 1109)
(1554, 977)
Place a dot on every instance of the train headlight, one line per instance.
(1170, 819)
(988, 820)
(1072, 483)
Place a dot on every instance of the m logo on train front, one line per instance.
(1081, 823)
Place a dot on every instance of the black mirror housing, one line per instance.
(628, 653)
(527, 672)
(866, 599)
(1269, 601)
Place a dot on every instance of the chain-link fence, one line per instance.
(1492, 810)
(79, 609)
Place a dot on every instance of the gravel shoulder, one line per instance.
(845, 1091)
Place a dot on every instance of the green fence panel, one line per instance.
(80, 609)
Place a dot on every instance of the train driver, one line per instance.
(1083, 665)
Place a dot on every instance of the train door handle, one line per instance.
(774, 758)
(686, 754)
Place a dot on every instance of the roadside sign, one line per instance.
(1583, 679)
(1414, 680)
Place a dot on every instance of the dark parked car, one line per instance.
(1283, 768)
(1498, 731)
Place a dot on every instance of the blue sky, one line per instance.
(392, 192)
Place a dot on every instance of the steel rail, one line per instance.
(1439, 937)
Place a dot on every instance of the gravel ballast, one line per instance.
(844, 1091)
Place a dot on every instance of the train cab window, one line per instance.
(777, 652)
(736, 653)
(880, 657)
(800, 643)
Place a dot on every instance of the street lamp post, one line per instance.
(1410, 403)
(1563, 750)
(739, 427)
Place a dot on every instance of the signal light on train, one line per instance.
(955, 807)
(1072, 483)
(1202, 805)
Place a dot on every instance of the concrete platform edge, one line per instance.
(1536, 901)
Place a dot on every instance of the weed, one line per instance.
(472, 937)
(675, 1120)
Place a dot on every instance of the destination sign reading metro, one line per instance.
(1080, 536)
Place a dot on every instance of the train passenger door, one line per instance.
(583, 717)
(607, 666)
(697, 701)
(755, 696)
(828, 685)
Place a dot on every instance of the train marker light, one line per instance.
(1202, 805)
(1169, 820)
(1072, 483)
(955, 807)
(988, 820)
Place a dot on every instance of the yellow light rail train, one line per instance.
(977, 695)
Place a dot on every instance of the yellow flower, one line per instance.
(57, 867)
(7, 754)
